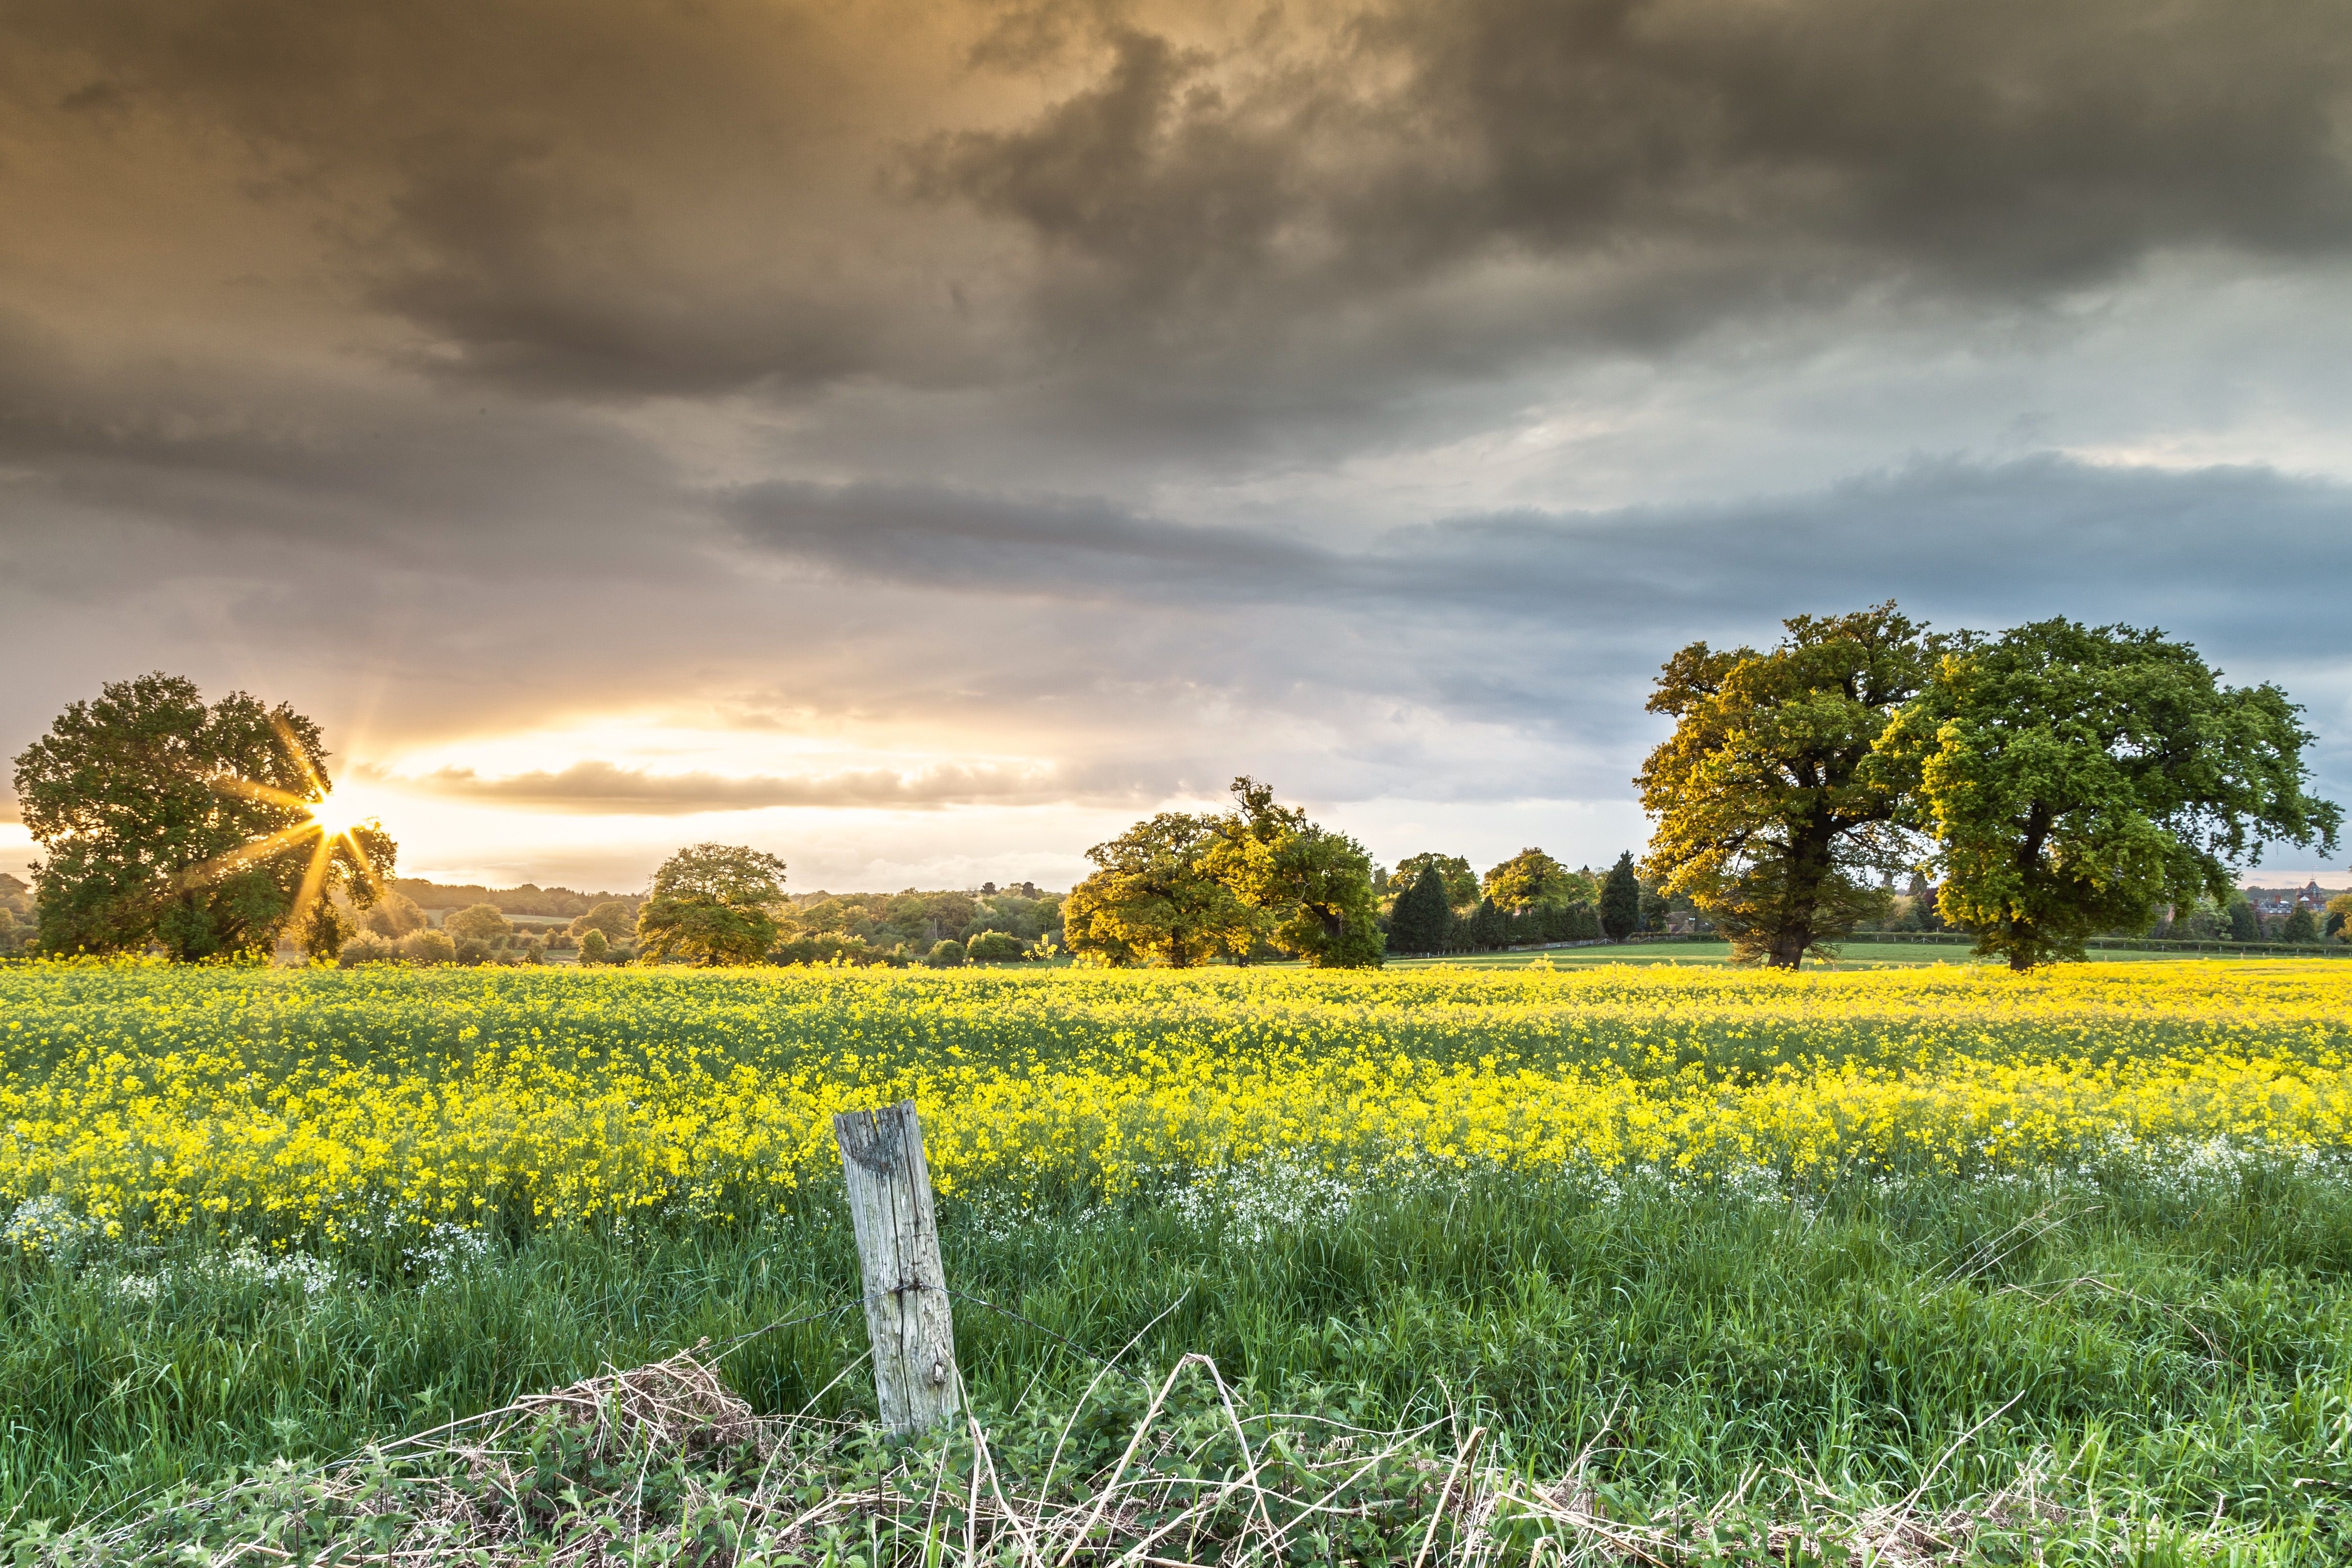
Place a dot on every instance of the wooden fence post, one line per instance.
(907, 1315)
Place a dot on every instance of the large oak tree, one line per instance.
(712, 905)
(2078, 777)
(1313, 886)
(1774, 809)
(1156, 898)
(168, 823)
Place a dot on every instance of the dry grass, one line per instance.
(663, 1463)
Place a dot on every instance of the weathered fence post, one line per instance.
(907, 1315)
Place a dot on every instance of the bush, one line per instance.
(947, 954)
(428, 947)
(993, 947)
(367, 947)
(593, 947)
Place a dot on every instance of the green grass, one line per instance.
(1851, 956)
(2174, 1345)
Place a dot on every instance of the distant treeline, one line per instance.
(528, 899)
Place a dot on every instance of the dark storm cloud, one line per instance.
(609, 199)
(605, 788)
(1684, 158)
(2201, 551)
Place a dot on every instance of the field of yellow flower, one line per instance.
(316, 1101)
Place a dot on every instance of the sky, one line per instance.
(917, 440)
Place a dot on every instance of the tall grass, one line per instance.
(2179, 1343)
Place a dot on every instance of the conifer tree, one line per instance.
(1422, 914)
(1621, 900)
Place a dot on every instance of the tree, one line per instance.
(1313, 886)
(2302, 925)
(1156, 899)
(2338, 908)
(1533, 880)
(712, 903)
(1461, 882)
(946, 955)
(393, 915)
(1620, 900)
(1775, 810)
(613, 917)
(593, 946)
(2244, 926)
(205, 830)
(479, 923)
(1422, 917)
(1486, 927)
(2078, 778)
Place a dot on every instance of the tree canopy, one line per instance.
(172, 823)
(1313, 886)
(1156, 898)
(2077, 777)
(1775, 808)
(1181, 889)
(1460, 882)
(712, 903)
(1533, 880)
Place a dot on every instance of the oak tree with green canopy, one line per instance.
(1776, 813)
(1533, 880)
(712, 905)
(479, 923)
(2077, 777)
(1313, 886)
(1156, 898)
(172, 823)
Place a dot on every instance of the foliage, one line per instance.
(1533, 880)
(712, 903)
(946, 955)
(172, 823)
(392, 916)
(2301, 926)
(1157, 899)
(1773, 805)
(482, 922)
(614, 918)
(994, 948)
(1461, 882)
(594, 947)
(1423, 920)
(1621, 900)
(1312, 885)
(2078, 777)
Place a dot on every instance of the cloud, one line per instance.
(1991, 541)
(607, 789)
(1668, 162)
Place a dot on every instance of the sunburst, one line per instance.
(330, 820)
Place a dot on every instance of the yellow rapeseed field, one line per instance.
(325, 1100)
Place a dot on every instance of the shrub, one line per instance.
(993, 947)
(428, 947)
(367, 947)
(593, 947)
(945, 956)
